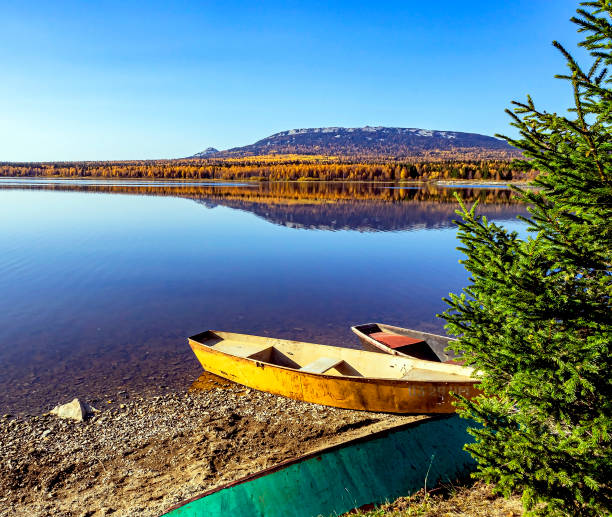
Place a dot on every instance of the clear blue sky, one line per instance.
(120, 80)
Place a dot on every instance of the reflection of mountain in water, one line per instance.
(323, 206)
(364, 216)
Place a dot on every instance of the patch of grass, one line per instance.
(477, 500)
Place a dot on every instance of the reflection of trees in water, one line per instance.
(364, 215)
(282, 191)
(332, 206)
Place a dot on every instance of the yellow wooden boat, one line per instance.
(334, 376)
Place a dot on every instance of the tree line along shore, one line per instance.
(278, 168)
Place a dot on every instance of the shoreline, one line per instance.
(180, 181)
(152, 452)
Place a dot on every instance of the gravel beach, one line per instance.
(145, 454)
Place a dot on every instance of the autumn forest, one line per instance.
(279, 168)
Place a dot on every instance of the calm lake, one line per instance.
(102, 282)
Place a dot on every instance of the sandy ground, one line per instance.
(145, 455)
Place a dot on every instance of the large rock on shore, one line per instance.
(76, 410)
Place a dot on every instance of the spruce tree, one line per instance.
(535, 318)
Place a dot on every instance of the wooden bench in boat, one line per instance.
(321, 365)
(239, 350)
(396, 340)
(266, 352)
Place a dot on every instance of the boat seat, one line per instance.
(240, 350)
(321, 365)
(414, 347)
(395, 340)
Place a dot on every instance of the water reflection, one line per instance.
(102, 282)
(317, 205)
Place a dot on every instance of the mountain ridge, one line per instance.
(369, 141)
(209, 151)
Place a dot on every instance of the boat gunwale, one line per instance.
(387, 381)
(313, 454)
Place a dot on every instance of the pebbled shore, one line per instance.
(142, 456)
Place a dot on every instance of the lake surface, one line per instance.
(102, 281)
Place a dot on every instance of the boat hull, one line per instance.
(360, 393)
(332, 481)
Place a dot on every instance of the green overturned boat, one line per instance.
(372, 469)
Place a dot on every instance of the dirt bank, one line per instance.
(147, 454)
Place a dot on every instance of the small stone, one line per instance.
(122, 406)
(76, 410)
(45, 433)
(7, 415)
